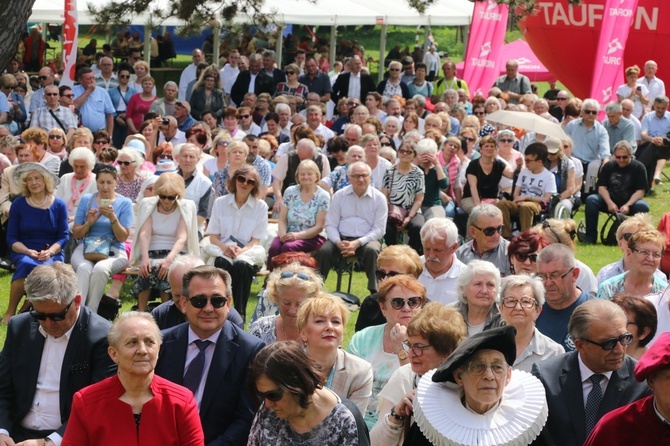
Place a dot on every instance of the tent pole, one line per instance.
(279, 46)
(382, 52)
(426, 35)
(147, 43)
(465, 35)
(216, 44)
(333, 43)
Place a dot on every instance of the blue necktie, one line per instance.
(593, 403)
(193, 375)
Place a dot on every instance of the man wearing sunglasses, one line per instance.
(54, 115)
(591, 141)
(211, 356)
(485, 226)
(37, 100)
(51, 352)
(584, 385)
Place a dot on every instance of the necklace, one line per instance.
(33, 204)
(168, 210)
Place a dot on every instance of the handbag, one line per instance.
(97, 248)
(396, 213)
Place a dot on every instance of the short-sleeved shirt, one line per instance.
(536, 184)
(123, 209)
(487, 184)
(656, 126)
(403, 187)
(554, 323)
(622, 183)
(302, 216)
(94, 110)
(320, 84)
(249, 221)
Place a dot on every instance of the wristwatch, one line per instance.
(402, 355)
(49, 442)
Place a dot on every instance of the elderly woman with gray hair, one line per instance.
(520, 304)
(435, 178)
(377, 164)
(478, 287)
(75, 185)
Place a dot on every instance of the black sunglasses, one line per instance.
(398, 303)
(490, 230)
(43, 78)
(200, 301)
(245, 180)
(381, 275)
(609, 344)
(167, 197)
(523, 256)
(56, 317)
(55, 136)
(124, 163)
(272, 396)
(124, 76)
(165, 156)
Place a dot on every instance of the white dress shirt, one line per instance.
(586, 374)
(443, 287)
(355, 85)
(361, 217)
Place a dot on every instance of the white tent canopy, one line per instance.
(303, 12)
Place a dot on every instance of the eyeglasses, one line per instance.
(289, 274)
(55, 136)
(622, 157)
(352, 103)
(416, 349)
(554, 277)
(124, 76)
(479, 113)
(200, 301)
(358, 176)
(100, 141)
(245, 116)
(51, 94)
(272, 396)
(398, 303)
(381, 275)
(164, 156)
(645, 253)
(591, 112)
(168, 197)
(528, 160)
(523, 256)
(56, 317)
(562, 99)
(385, 144)
(490, 231)
(405, 152)
(479, 368)
(71, 96)
(610, 343)
(288, 73)
(244, 180)
(505, 140)
(43, 78)
(469, 139)
(508, 302)
(394, 69)
(124, 163)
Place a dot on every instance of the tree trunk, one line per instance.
(14, 16)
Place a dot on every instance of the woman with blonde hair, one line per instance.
(57, 144)
(220, 158)
(638, 93)
(321, 323)
(141, 69)
(288, 287)
(236, 154)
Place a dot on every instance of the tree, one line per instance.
(16, 13)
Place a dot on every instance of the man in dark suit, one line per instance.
(50, 353)
(358, 88)
(211, 357)
(262, 82)
(584, 385)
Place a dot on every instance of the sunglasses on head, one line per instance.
(167, 197)
(245, 180)
(398, 303)
(56, 317)
(272, 396)
(490, 230)
(200, 301)
(289, 274)
(124, 163)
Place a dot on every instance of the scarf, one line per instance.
(75, 192)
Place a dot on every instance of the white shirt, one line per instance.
(655, 86)
(178, 138)
(192, 351)
(442, 288)
(586, 374)
(228, 76)
(661, 302)
(378, 172)
(361, 217)
(252, 82)
(355, 86)
(186, 76)
(536, 184)
(249, 221)
(252, 130)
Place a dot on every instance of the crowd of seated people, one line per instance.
(196, 188)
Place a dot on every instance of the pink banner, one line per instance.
(70, 35)
(608, 63)
(487, 37)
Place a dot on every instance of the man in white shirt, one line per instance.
(355, 224)
(439, 237)
(534, 185)
(230, 71)
(655, 85)
(189, 73)
(50, 353)
(315, 122)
